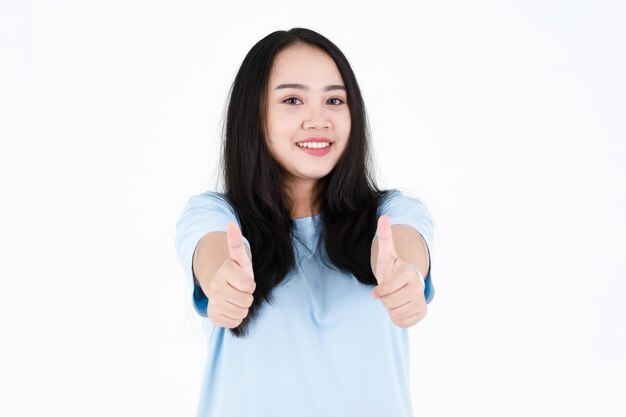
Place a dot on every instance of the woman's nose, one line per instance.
(316, 118)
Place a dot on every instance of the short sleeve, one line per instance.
(404, 208)
(202, 214)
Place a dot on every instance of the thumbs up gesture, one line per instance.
(230, 291)
(400, 284)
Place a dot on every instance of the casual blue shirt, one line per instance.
(325, 347)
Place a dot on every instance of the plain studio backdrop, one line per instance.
(506, 118)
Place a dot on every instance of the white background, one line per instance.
(506, 118)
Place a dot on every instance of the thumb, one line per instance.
(236, 248)
(387, 254)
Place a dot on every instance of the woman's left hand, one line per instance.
(400, 284)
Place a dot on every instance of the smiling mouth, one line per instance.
(316, 145)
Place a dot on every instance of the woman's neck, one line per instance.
(300, 196)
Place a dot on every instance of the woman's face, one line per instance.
(307, 102)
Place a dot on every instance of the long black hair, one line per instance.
(254, 182)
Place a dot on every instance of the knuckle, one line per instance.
(216, 319)
(399, 323)
(232, 323)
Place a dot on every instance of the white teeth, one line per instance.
(314, 144)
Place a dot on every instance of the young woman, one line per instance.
(310, 317)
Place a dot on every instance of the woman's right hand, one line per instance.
(230, 291)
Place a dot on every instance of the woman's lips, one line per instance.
(316, 151)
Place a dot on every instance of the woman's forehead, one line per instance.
(306, 66)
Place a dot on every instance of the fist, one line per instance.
(400, 284)
(230, 291)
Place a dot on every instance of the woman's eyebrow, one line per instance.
(306, 88)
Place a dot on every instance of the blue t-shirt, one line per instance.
(325, 347)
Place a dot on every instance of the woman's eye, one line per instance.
(290, 99)
(340, 100)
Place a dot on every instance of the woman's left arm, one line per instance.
(399, 264)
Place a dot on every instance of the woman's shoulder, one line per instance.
(400, 196)
(210, 200)
(208, 197)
